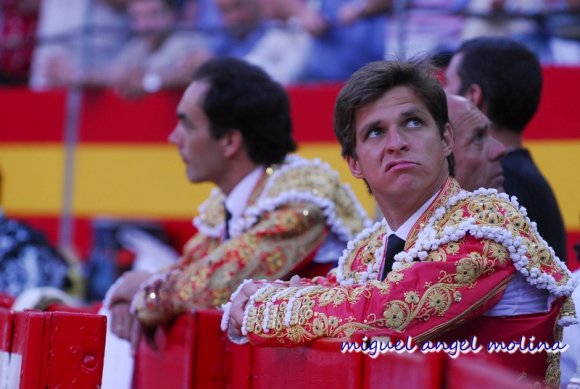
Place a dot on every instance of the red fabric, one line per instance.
(17, 40)
(511, 328)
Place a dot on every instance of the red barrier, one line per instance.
(411, 370)
(193, 353)
(51, 349)
(187, 353)
(468, 372)
(320, 364)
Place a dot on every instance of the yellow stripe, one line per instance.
(559, 161)
(149, 180)
(32, 178)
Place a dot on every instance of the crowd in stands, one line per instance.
(138, 46)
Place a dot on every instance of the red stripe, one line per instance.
(31, 117)
(106, 118)
(312, 110)
(557, 115)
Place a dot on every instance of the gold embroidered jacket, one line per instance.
(458, 259)
(291, 211)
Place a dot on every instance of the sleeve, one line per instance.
(456, 282)
(280, 242)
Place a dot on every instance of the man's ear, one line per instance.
(447, 139)
(475, 94)
(232, 142)
(354, 167)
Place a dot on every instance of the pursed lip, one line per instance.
(399, 164)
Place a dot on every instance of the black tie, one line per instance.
(394, 246)
(228, 217)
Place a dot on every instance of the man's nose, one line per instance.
(395, 141)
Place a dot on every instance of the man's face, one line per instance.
(399, 150)
(150, 17)
(477, 154)
(452, 79)
(203, 155)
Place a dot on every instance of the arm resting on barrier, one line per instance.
(209, 272)
(420, 299)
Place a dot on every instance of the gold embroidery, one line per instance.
(439, 255)
(439, 296)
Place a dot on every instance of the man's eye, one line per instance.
(374, 132)
(414, 123)
(480, 137)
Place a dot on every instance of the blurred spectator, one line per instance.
(85, 33)
(340, 44)
(564, 29)
(254, 31)
(509, 18)
(427, 26)
(417, 28)
(17, 39)
(158, 57)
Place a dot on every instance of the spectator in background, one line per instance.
(503, 79)
(477, 154)
(156, 58)
(84, 34)
(18, 23)
(564, 29)
(339, 45)
(253, 31)
(421, 27)
(517, 19)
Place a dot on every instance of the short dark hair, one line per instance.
(242, 96)
(372, 81)
(510, 76)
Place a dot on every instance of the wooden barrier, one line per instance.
(51, 349)
(192, 352)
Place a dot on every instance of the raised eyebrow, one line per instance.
(413, 111)
(367, 127)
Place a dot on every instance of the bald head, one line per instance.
(477, 154)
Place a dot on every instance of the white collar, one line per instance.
(405, 228)
(237, 200)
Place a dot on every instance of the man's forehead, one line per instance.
(468, 119)
(400, 99)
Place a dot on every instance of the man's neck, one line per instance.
(511, 140)
(398, 210)
(234, 174)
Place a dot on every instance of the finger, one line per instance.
(116, 319)
(135, 335)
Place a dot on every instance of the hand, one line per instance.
(129, 84)
(239, 304)
(124, 324)
(127, 286)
